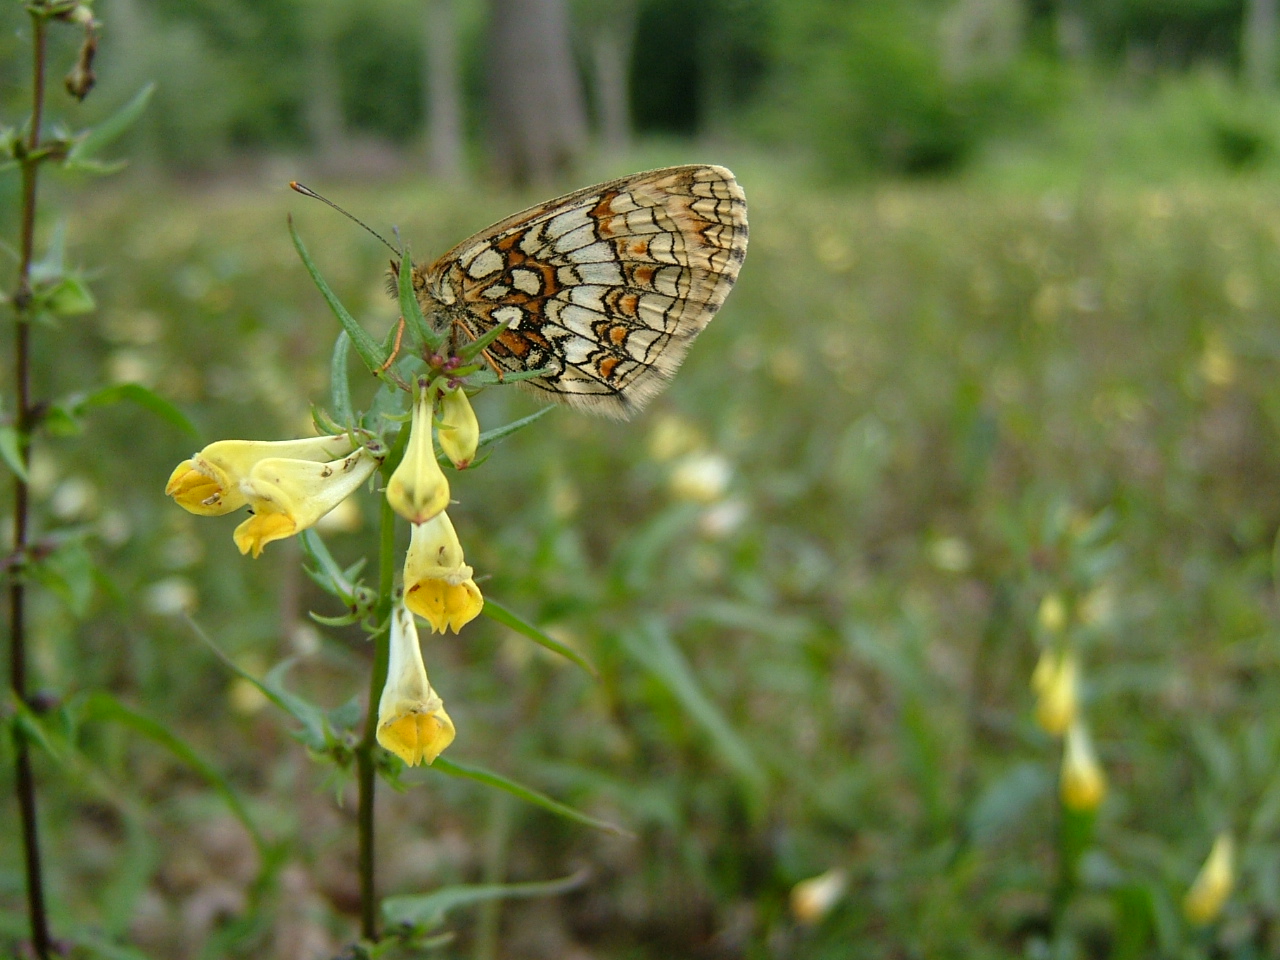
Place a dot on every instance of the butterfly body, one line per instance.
(604, 288)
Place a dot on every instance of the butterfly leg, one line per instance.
(488, 358)
(395, 349)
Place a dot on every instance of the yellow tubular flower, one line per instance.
(812, 899)
(287, 496)
(1056, 679)
(1212, 886)
(209, 483)
(418, 489)
(1083, 784)
(412, 723)
(459, 429)
(437, 584)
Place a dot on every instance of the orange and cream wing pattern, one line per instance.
(605, 288)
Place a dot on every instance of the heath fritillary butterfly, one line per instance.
(604, 289)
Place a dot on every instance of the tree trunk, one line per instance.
(1258, 45)
(444, 93)
(611, 39)
(537, 117)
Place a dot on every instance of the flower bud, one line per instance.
(418, 489)
(1056, 680)
(1212, 886)
(459, 430)
(1083, 784)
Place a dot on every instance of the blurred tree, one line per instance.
(326, 126)
(610, 27)
(444, 92)
(1258, 45)
(537, 117)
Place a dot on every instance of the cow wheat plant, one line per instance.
(593, 300)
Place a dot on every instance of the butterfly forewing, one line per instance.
(604, 288)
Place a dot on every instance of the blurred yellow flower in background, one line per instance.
(1212, 886)
(1083, 784)
(1056, 681)
(812, 899)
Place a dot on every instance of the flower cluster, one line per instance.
(289, 485)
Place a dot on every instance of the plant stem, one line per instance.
(40, 939)
(366, 779)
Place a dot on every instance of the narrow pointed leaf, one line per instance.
(11, 451)
(655, 650)
(429, 911)
(455, 769)
(370, 351)
(110, 129)
(515, 426)
(496, 611)
(410, 309)
(339, 385)
(103, 706)
(314, 727)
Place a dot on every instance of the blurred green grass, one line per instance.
(939, 403)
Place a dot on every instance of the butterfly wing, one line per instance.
(606, 287)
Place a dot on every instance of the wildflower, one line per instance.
(418, 489)
(437, 584)
(1083, 783)
(288, 496)
(412, 722)
(459, 430)
(1056, 682)
(812, 899)
(701, 477)
(209, 483)
(1052, 615)
(1212, 885)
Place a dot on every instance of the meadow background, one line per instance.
(1007, 329)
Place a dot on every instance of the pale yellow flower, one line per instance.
(418, 489)
(209, 483)
(288, 496)
(438, 585)
(1056, 681)
(412, 722)
(1083, 784)
(459, 430)
(1212, 886)
(1052, 615)
(812, 899)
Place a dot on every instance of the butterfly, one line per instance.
(603, 289)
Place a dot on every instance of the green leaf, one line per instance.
(109, 130)
(339, 385)
(496, 611)
(315, 726)
(654, 648)
(68, 571)
(97, 946)
(71, 410)
(485, 377)
(370, 351)
(527, 794)
(515, 426)
(103, 706)
(410, 309)
(429, 911)
(69, 298)
(11, 451)
(1007, 801)
(473, 348)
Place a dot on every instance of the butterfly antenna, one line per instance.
(308, 192)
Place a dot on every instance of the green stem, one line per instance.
(40, 939)
(366, 778)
